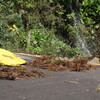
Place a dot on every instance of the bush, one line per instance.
(46, 42)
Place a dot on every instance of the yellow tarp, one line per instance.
(10, 59)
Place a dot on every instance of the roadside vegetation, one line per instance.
(46, 27)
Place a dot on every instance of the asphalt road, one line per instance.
(57, 86)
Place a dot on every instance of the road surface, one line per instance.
(64, 85)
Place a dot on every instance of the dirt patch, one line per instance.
(51, 63)
(11, 73)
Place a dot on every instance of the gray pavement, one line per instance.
(64, 85)
(57, 86)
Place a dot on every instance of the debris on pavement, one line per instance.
(79, 65)
(98, 88)
(51, 63)
(12, 73)
(73, 82)
(44, 62)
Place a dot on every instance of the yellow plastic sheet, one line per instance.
(10, 59)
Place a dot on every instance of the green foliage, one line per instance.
(72, 52)
(44, 19)
(90, 12)
(45, 42)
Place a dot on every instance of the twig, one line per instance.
(73, 82)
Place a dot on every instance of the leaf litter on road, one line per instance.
(53, 64)
(50, 63)
(12, 73)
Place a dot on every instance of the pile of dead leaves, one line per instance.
(8, 73)
(51, 63)
(78, 65)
